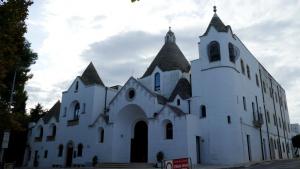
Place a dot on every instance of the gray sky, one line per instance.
(121, 38)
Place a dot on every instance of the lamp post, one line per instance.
(12, 92)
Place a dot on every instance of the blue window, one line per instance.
(76, 111)
(157, 81)
(76, 87)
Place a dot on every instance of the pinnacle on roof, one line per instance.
(170, 36)
(90, 76)
(217, 23)
(169, 57)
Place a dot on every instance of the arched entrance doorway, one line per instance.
(69, 156)
(139, 143)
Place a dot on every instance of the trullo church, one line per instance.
(222, 108)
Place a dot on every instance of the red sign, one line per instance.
(182, 163)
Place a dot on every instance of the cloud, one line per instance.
(275, 44)
(46, 96)
(123, 55)
(130, 53)
(123, 39)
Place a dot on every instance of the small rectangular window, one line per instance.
(65, 112)
(279, 122)
(244, 103)
(102, 136)
(248, 72)
(242, 66)
(178, 102)
(60, 150)
(203, 111)
(253, 108)
(249, 147)
(268, 116)
(257, 81)
(275, 120)
(228, 120)
(46, 154)
(76, 87)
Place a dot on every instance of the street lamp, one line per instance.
(12, 92)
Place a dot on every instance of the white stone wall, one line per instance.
(220, 86)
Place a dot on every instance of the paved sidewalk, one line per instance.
(236, 166)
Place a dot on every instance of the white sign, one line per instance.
(168, 164)
(5, 140)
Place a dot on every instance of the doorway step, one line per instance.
(125, 165)
(112, 165)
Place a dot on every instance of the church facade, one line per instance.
(222, 108)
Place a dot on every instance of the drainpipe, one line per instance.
(105, 108)
(260, 133)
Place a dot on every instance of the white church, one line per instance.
(222, 108)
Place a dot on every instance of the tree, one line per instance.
(296, 142)
(15, 60)
(36, 113)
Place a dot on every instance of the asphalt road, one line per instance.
(281, 164)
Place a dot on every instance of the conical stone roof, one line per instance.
(217, 23)
(90, 76)
(169, 57)
(53, 112)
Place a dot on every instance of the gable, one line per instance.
(131, 79)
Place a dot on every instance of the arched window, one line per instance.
(242, 66)
(101, 135)
(157, 81)
(214, 51)
(79, 150)
(76, 110)
(232, 53)
(203, 111)
(60, 150)
(169, 131)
